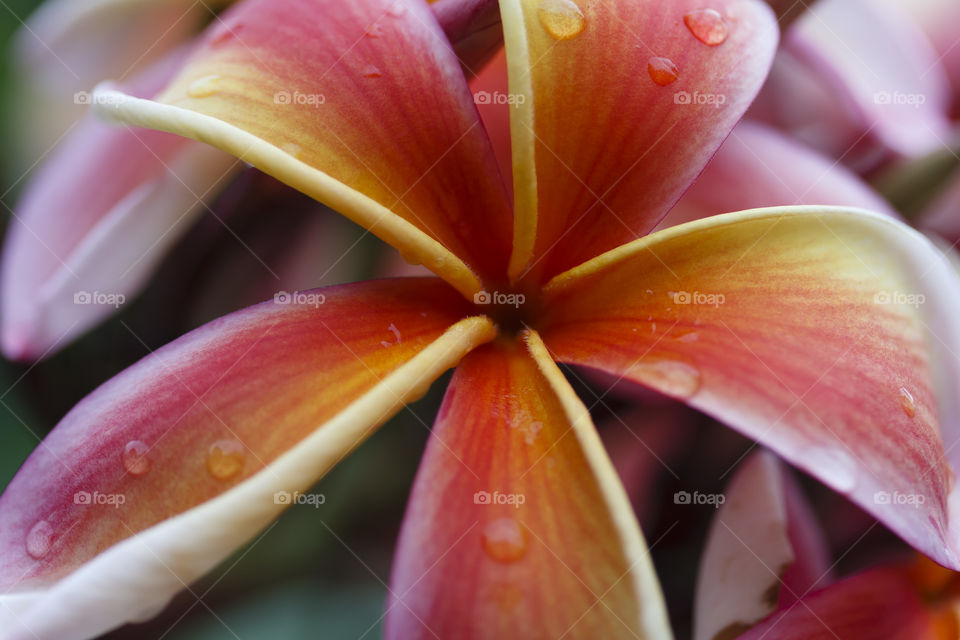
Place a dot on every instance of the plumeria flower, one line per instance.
(81, 245)
(802, 327)
(785, 586)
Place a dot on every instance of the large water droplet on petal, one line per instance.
(672, 377)
(504, 540)
(39, 539)
(204, 87)
(663, 71)
(374, 31)
(907, 403)
(562, 19)
(226, 459)
(371, 71)
(707, 26)
(135, 458)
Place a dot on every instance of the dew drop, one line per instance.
(226, 459)
(135, 459)
(685, 335)
(374, 31)
(707, 26)
(907, 403)
(397, 338)
(504, 540)
(226, 34)
(370, 71)
(204, 87)
(562, 19)
(396, 10)
(531, 431)
(292, 148)
(39, 539)
(663, 71)
(672, 377)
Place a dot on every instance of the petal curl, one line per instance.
(826, 334)
(766, 530)
(599, 156)
(166, 469)
(362, 106)
(517, 525)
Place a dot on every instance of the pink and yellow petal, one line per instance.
(766, 531)
(159, 474)
(826, 334)
(599, 157)
(758, 166)
(362, 106)
(517, 525)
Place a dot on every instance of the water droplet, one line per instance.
(663, 71)
(226, 34)
(562, 19)
(39, 539)
(685, 335)
(907, 403)
(397, 338)
(396, 10)
(672, 377)
(504, 540)
(531, 431)
(226, 459)
(371, 71)
(707, 26)
(135, 459)
(374, 31)
(292, 148)
(204, 87)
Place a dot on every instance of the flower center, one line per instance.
(513, 310)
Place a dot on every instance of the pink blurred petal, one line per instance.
(473, 27)
(95, 221)
(759, 166)
(860, 82)
(764, 548)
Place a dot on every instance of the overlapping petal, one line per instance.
(764, 548)
(473, 28)
(623, 106)
(66, 47)
(78, 245)
(163, 471)
(517, 525)
(827, 334)
(875, 605)
(361, 105)
(758, 166)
